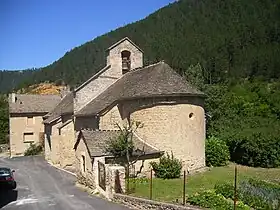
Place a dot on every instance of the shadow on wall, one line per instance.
(118, 188)
(7, 196)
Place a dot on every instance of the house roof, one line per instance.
(65, 106)
(30, 103)
(152, 81)
(96, 142)
(122, 40)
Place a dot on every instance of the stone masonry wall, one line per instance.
(92, 90)
(52, 142)
(109, 120)
(141, 203)
(48, 138)
(67, 141)
(20, 125)
(115, 59)
(109, 76)
(55, 143)
(88, 174)
(177, 126)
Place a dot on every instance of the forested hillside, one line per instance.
(11, 79)
(229, 49)
(229, 39)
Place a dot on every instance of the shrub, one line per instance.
(260, 149)
(34, 149)
(168, 167)
(225, 189)
(209, 199)
(217, 152)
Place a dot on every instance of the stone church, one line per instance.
(170, 109)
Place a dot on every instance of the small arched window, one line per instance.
(125, 61)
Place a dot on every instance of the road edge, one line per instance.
(55, 166)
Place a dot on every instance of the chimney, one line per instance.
(13, 96)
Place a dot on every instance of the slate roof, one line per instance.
(30, 103)
(96, 142)
(152, 81)
(65, 106)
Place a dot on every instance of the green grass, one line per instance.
(170, 190)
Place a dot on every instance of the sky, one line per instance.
(35, 33)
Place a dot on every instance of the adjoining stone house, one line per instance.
(26, 116)
(170, 109)
(90, 153)
(60, 134)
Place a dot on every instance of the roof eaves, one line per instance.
(53, 120)
(139, 97)
(64, 124)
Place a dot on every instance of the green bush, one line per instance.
(209, 199)
(225, 189)
(33, 150)
(168, 167)
(260, 149)
(217, 152)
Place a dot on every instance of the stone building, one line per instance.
(60, 134)
(26, 117)
(170, 109)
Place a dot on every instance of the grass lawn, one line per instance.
(170, 190)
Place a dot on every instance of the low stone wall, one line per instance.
(141, 203)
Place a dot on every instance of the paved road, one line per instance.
(40, 186)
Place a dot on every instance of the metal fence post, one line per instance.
(151, 184)
(235, 187)
(184, 189)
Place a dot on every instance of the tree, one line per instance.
(194, 75)
(122, 147)
(4, 120)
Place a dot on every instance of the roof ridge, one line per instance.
(148, 66)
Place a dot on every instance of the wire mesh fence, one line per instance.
(237, 187)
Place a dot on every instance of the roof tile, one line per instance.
(30, 103)
(154, 80)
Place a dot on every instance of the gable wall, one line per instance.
(109, 120)
(107, 78)
(52, 142)
(20, 125)
(115, 60)
(92, 90)
(88, 174)
(67, 141)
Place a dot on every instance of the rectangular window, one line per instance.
(28, 137)
(30, 121)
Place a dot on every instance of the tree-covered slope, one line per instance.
(231, 38)
(229, 49)
(11, 79)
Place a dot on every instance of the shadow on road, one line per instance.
(7, 196)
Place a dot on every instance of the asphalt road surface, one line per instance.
(41, 186)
